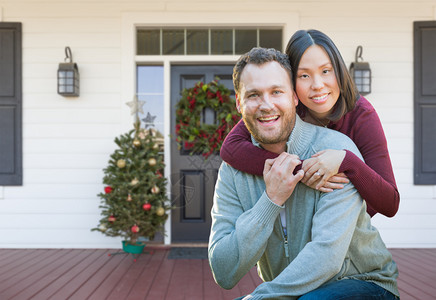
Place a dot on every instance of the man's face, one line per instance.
(267, 103)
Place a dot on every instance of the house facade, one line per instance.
(66, 141)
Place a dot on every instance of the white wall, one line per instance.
(67, 142)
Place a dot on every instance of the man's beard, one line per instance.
(281, 136)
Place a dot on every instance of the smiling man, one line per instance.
(306, 244)
(265, 102)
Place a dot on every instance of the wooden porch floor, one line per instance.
(91, 274)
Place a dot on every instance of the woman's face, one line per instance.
(316, 84)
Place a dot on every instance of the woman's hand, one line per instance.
(333, 183)
(321, 170)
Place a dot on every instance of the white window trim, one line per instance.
(289, 21)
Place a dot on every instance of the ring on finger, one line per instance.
(317, 173)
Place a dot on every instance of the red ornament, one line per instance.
(111, 219)
(146, 206)
(108, 189)
(135, 229)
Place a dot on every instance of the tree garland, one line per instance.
(193, 134)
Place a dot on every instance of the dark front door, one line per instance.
(192, 178)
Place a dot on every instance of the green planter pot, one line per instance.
(133, 248)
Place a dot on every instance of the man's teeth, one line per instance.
(268, 119)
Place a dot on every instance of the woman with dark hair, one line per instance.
(328, 97)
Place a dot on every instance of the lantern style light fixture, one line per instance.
(68, 76)
(361, 73)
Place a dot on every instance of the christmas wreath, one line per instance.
(193, 133)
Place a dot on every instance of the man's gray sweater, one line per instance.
(329, 238)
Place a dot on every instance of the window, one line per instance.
(173, 42)
(150, 88)
(205, 41)
(197, 41)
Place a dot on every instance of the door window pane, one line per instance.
(245, 39)
(221, 41)
(197, 41)
(173, 41)
(148, 42)
(270, 38)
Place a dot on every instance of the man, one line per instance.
(304, 242)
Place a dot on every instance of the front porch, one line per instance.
(91, 274)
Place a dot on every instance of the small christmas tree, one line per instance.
(134, 201)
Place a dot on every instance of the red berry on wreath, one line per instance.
(108, 189)
(135, 229)
(111, 219)
(146, 206)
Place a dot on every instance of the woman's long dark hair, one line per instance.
(298, 44)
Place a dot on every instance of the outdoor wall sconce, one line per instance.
(361, 73)
(68, 76)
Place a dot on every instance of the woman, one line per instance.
(328, 97)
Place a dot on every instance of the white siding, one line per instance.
(67, 142)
